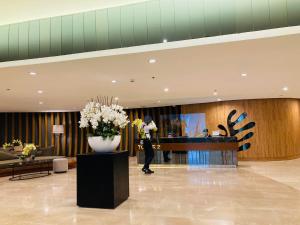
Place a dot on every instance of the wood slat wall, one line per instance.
(277, 131)
(37, 128)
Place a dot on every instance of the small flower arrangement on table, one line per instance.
(7, 146)
(27, 151)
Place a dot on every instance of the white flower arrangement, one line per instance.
(106, 119)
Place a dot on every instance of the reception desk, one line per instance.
(209, 151)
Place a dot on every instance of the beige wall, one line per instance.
(277, 131)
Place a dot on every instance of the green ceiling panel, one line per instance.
(127, 26)
(55, 34)
(34, 39)
(89, 25)
(114, 27)
(23, 40)
(45, 39)
(102, 29)
(197, 22)
(13, 44)
(293, 9)
(212, 17)
(261, 14)
(227, 16)
(4, 31)
(278, 13)
(167, 19)
(142, 23)
(67, 34)
(243, 16)
(153, 22)
(182, 20)
(78, 33)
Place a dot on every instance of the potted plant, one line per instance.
(106, 120)
(17, 144)
(27, 152)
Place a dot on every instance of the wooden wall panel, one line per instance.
(37, 128)
(277, 131)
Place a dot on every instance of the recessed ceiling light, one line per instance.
(219, 99)
(166, 89)
(116, 98)
(32, 73)
(40, 91)
(114, 81)
(244, 74)
(285, 88)
(41, 103)
(165, 40)
(215, 93)
(158, 101)
(152, 61)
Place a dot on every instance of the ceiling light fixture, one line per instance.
(166, 89)
(114, 81)
(244, 75)
(32, 73)
(40, 91)
(158, 101)
(285, 88)
(41, 103)
(151, 61)
(215, 93)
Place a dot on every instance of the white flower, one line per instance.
(94, 112)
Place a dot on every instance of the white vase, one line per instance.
(99, 144)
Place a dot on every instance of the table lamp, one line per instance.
(58, 130)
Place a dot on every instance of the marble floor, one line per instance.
(254, 193)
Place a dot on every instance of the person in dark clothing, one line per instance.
(149, 154)
(147, 126)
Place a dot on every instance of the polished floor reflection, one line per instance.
(254, 193)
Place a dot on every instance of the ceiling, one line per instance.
(191, 74)
(16, 11)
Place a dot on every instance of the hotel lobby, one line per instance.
(143, 112)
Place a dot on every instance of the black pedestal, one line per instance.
(102, 179)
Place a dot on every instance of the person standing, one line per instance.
(148, 126)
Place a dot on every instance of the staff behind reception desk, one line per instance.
(204, 151)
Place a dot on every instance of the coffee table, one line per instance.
(43, 164)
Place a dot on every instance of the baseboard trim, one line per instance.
(271, 158)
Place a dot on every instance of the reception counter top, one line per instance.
(197, 151)
(197, 139)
